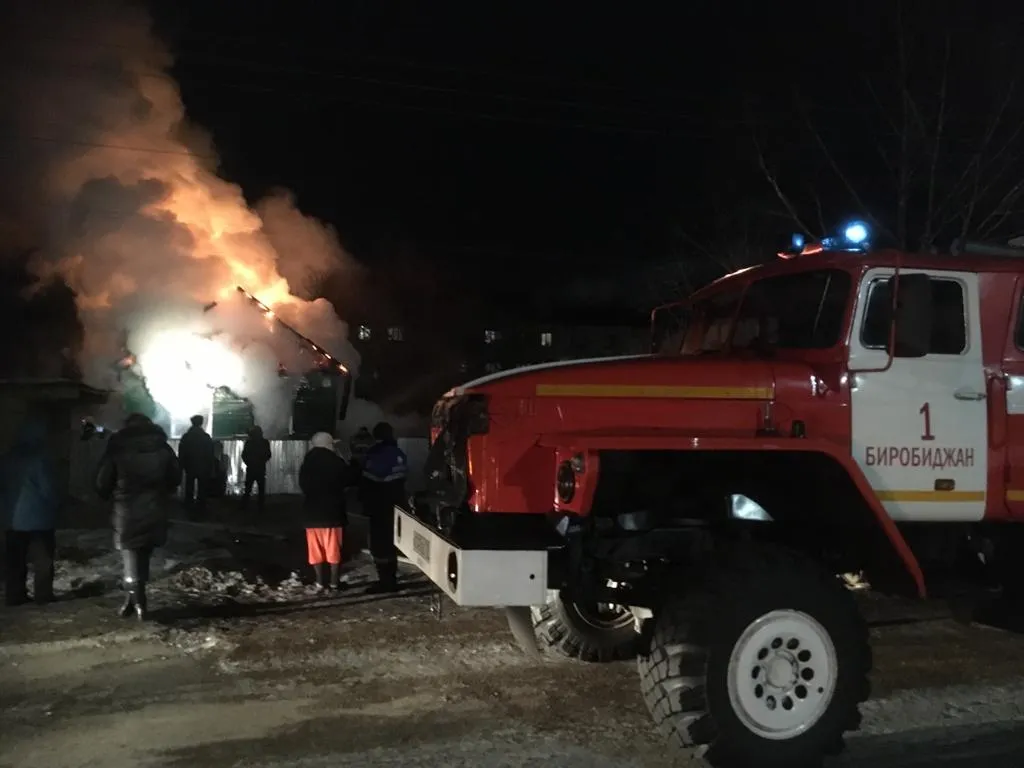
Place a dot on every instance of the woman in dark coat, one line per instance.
(140, 472)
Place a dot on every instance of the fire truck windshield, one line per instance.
(804, 310)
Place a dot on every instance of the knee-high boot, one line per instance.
(136, 573)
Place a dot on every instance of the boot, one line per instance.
(128, 606)
(141, 607)
(136, 571)
(335, 576)
(382, 587)
(321, 577)
(387, 579)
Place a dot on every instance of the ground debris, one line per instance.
(202, 582)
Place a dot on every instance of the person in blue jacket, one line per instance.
(385, 467)
(31, 501)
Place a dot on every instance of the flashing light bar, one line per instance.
(304, 340)
(856, 236)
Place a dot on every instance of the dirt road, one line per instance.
(233, 672)
(377, 683)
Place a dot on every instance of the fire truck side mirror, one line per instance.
(913, 315)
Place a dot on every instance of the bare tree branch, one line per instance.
(969, 183)
(940, 123)
(903, 183)
(822, 226)
(830, 158)
(771, 178)
(1002, 210)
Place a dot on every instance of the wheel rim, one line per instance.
(604, 616)
(782, 674)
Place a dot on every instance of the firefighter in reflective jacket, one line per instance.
(383, 486)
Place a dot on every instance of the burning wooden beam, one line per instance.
(304, 340)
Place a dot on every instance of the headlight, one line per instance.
(565, 482)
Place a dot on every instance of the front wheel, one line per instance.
(588, 632)
(765, 665)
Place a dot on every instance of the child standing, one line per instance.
(324, 477)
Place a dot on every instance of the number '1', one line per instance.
(926, 411)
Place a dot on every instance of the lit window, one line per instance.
(546, 339)
(364, 333)
(394, 333)
(491, 336)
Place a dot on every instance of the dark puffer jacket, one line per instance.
(139, 471)
(324, 478)
(28, 484)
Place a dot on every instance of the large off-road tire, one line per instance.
(588, 633)
(764, 664)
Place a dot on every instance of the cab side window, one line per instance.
(949, 318)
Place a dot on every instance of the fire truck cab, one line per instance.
(839, 410)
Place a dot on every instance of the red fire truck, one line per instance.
(840, 410)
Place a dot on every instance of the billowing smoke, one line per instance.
(124, 197)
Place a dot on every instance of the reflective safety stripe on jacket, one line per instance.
(385, 464)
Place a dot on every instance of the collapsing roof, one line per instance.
(327, 358)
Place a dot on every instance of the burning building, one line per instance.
(127, 208)
(199, 371)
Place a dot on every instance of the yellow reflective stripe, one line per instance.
(930, 496)
(1015, 495)
(654, 391)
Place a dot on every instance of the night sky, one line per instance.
(533, 155)
(535, 147)
(562, 148)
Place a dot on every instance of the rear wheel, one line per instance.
(765, 666)
(589, 632)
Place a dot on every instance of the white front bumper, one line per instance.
(477, 577)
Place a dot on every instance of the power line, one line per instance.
(746, 123)
(688, 132)
(262, 68)
(103, 145)
(265, 43)
(463, 113)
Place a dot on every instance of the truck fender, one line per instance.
(673, 440)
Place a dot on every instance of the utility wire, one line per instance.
(264, 43)
(321, 98)
(254, 67)
(455, 112)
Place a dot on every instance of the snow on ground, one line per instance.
(88, 564)
(200, 563)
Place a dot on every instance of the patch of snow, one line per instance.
(951, 706)
(196, 643)
(201, 582)
(87, 562)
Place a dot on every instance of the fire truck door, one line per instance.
(1012, 384)
(920, 426)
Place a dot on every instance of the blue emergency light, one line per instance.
(856, 233)
(855, 236)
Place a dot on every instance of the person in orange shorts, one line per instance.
(324, 478)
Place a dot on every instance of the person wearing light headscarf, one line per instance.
(324, 477)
